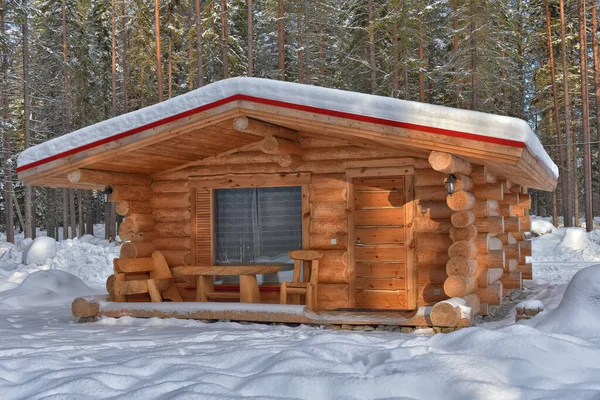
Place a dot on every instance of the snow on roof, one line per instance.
(504, 129)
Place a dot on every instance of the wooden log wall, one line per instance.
(462, 264)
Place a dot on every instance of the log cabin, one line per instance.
(259, 200)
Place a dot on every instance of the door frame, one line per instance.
(409, 215)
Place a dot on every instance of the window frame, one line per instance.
(207, 184)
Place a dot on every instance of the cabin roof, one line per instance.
(198, 124)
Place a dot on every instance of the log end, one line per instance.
(83, 308)
(240, 124)
(74, 176)
(445, 313)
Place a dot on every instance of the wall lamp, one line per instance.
(450, 183)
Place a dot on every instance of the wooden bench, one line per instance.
(249, 292)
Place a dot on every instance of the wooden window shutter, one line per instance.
(202, 226)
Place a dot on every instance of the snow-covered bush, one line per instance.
(541, 227)
(39, 250)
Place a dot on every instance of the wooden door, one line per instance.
(380, 237)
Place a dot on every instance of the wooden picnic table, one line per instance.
(249, 292)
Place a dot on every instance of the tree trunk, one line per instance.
(372, 46)
(421, 61)
(89, 225)
(80, 213)
(596, 87)
(65, 231)
(113, 52)
(474, 100)
(250, 39)
(199, 49)
(72, 214)
(224, 39)
(300, 42)
(281, 38)
(455, 51)
(395, 67)
(585, 114)
(556, 113)
(158, 53)
(124, 61)
(169, 56)
(29, 223)
(568, 220)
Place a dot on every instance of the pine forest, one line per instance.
(66, 64)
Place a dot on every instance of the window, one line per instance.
(257, 226)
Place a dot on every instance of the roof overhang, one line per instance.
(143, 148)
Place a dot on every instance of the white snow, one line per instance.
(387, 108)
(38, 250)
(531, 305)
(541, 227)
(45, 354)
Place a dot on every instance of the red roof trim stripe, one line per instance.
(294, 106)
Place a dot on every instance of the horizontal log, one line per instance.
(490, 224)
(108, 178)
(126, 208)
(525, 223)
(461, 266)
(507, 210)
(172, 229)
(349, 153)
(462, 219)
(510, 264)
(448, 163)
(459, 286)
(518, 211)
(171, 200)
(463, 248)
(136, 236)
(260, 128)
(178, 243)
(135, 265)
(525, 248)
(526, 270)
(491, 259)
(328, 181)
(130, 193)
(83, 308)
(487, 276)
(433, 241)
(434, 209)
(324, 242)
(524, 201)
(519, 236)
(136, 249)
(333, 296)
(507, 186)
(492, 294)
(512, 224)
(460, 201)
(431, 193)
(282, 146)
(137, 224)
(429, 177)
(485, 208)
(172, 214)
(482, 241)
(431, 275)
(330, 227)
(177, 258)
(333, 267)
(482, 175)
(426, 225)
(326, 195)
(467, 233)
(176, 186)
(329, 210)
(448, 313)
(512, 280)
(506, 238)
(489, 191)
(137, 287)
(511, 199)
(512, 251)
(428, 258)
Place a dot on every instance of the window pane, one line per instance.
(257, 226)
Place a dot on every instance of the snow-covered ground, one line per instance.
(44, 353)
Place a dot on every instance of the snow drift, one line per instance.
(43, 288)
(578, 312)
(39, 250)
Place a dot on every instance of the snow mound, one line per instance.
(39, 250)
(44, 288)
(577, 314)
(575, 238)
(541, 227)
